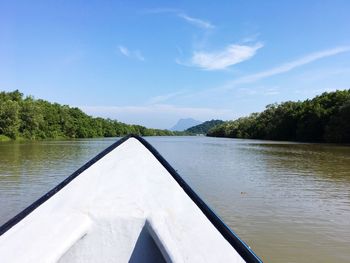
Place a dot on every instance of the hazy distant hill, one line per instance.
(204, 127)
(184, 124)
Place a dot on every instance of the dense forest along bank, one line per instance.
(28, 118)
(325, 118)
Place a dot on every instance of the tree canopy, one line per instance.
(204, 127)
(39, 119)
(325, 118)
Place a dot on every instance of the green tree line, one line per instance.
(325, 118)
(204, 127)
(26, 117)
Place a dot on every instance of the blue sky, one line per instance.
(153, 62)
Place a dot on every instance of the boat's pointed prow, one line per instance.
(125, 205)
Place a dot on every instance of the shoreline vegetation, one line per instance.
(204, 127)
(325, 119)
(26, 118)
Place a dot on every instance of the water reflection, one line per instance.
(29, 169)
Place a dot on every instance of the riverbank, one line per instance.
(323, 119)
(4, 138)
(35, 119)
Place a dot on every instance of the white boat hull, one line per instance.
(123, 206)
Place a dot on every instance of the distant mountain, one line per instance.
(184, 124)
(204, 127)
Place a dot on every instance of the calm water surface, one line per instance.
(289, 201)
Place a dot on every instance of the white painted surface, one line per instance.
(110, 211)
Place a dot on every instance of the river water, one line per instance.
(289, 201)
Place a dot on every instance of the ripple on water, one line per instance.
(289, 201)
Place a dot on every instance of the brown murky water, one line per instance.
(289, 201)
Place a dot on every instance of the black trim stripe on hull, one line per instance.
(242, 248)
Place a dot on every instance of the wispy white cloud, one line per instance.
(320, 74)
(136, 54)
(124, 51)
(158, 115)
(314, 92)
(222, 59)
(293, 64)
(255, 77)
(196, 21)
(251, 38)
(164, 97)
(185, 111)
(259, 91)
